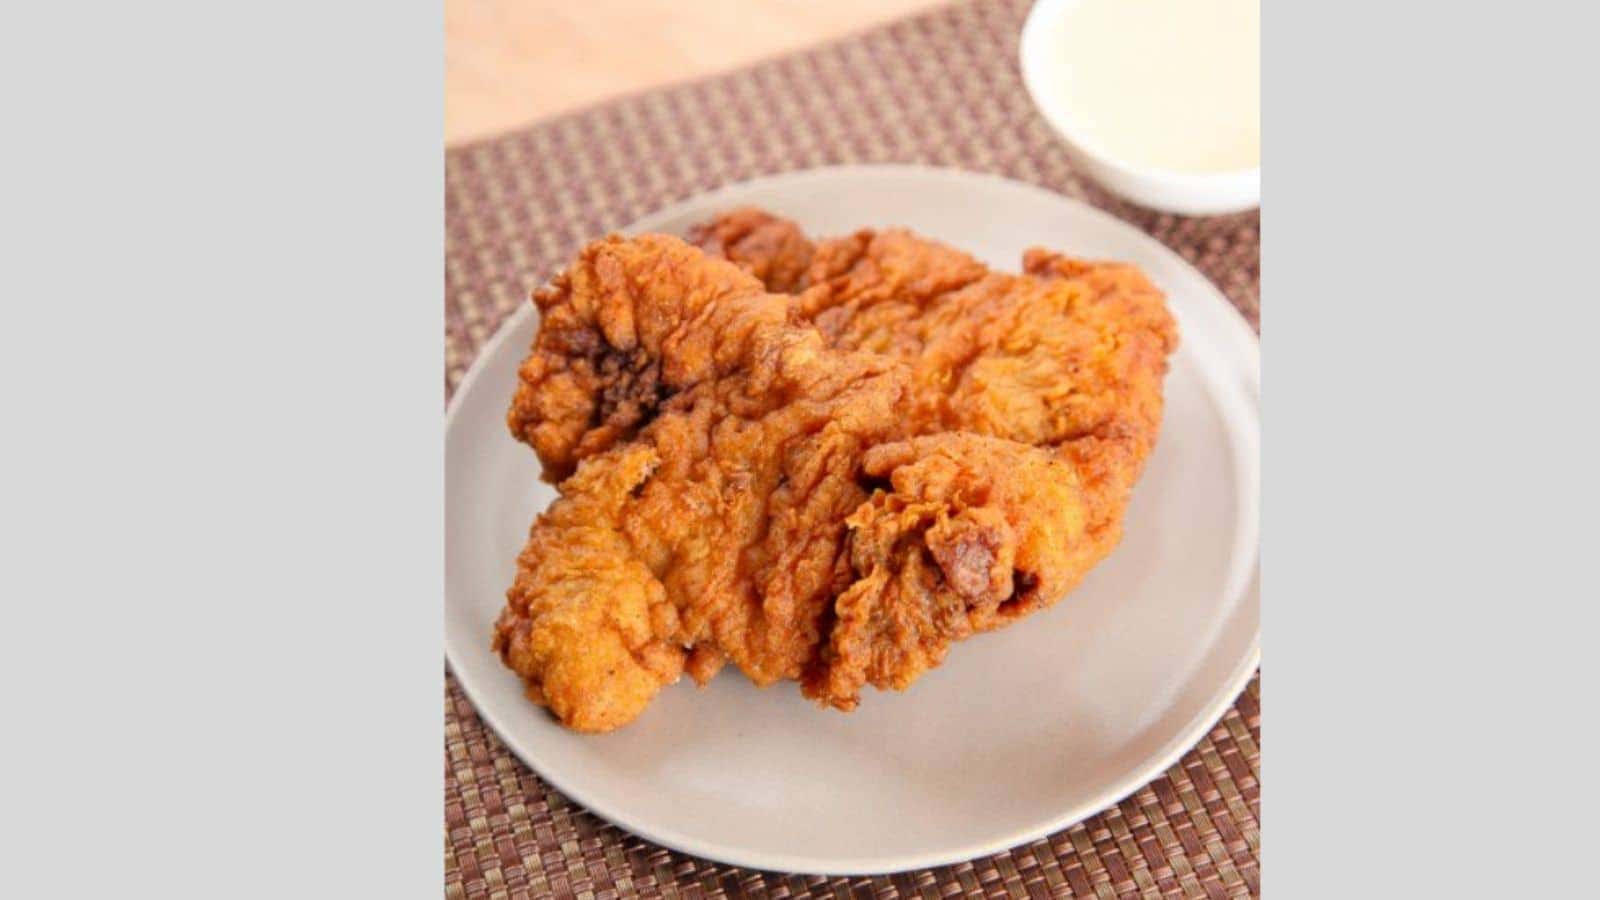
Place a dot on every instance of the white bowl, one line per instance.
(1184, 193)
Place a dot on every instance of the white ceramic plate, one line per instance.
(1021, 732)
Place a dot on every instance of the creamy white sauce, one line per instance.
(1160, 84)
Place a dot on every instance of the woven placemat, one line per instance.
(943, 89)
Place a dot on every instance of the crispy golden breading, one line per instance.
(971, 532)
(829, 482)
(774, 250)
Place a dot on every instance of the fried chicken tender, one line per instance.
(721, 521)
(1070, 355)
(822, 462)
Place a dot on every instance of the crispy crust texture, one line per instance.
(820, 461)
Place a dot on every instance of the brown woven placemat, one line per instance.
(942, 89)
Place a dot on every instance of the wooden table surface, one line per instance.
(509, 63)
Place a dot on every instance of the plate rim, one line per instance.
(1186, 738)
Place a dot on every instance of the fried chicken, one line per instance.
(1070, 355)
(823, 462)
